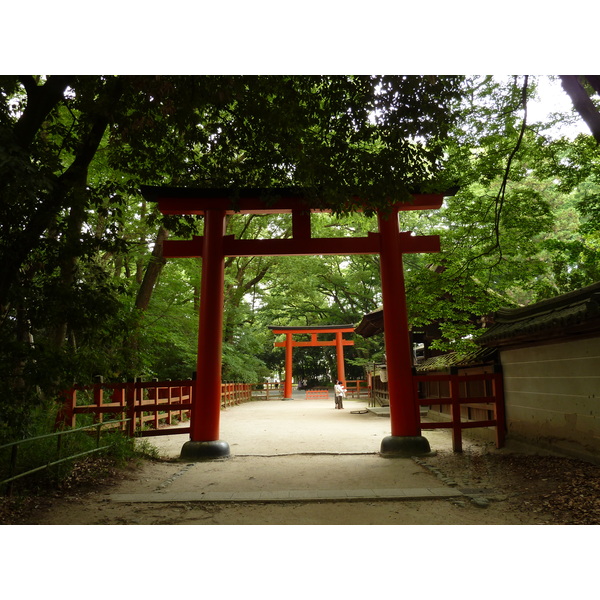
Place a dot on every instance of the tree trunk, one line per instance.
(153, 270)
(582, 102)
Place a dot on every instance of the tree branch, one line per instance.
(501, 195)
(499, 202)
(41, 99)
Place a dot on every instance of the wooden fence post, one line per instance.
(499, 413)
(169, 402)
(153, 394)
(130, 402)
(98, 397)
(455, 412)
(118, 397)
(66, 415)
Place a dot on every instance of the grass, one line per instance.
(84, 445)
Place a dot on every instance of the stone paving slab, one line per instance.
(291, 495)
(295, 451)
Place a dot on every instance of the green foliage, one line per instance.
(168, 329)
(40, 450)
(76, 237)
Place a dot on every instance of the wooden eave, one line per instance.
(371, 324)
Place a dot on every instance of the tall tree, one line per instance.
(76, 241)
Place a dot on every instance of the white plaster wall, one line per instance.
(552, 393)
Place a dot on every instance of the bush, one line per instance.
(42, 450)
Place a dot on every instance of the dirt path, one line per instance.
(310, 446)
(297, 472)
(494, 492)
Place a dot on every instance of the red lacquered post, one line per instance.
(206, 413)
(287, 387)
(339, 349)
(405, 420)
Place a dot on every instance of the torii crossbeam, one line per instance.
(214, 246)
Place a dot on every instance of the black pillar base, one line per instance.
(198, 451)
(287, 398)
(395, 446)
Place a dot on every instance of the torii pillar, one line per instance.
(214, 246)
(205, 419)
(406, 439)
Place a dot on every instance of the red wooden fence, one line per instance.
(357, 388)
(493, 402)
(146, 404)
(150, 404)
(317, 394)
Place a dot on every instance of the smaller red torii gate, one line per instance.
(339, 342)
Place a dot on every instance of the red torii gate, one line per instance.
(214, 246)
(339, 342)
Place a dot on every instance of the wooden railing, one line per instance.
(356, 388)
(233, 394)
(267, 391)
(317, 394)
(146, 406)
(150, 406)
(380, 395)
(143, 403)
(53, 458)
(493, 402)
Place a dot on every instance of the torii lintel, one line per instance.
(258, 201)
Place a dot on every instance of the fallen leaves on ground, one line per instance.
(85, 477)
(560, 490)
(565, 490)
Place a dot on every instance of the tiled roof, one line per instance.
(371, 324)
(573, 314)
(482, 356)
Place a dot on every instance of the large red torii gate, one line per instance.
(339, 342)
(215, 245)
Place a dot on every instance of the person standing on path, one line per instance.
(340, 394)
